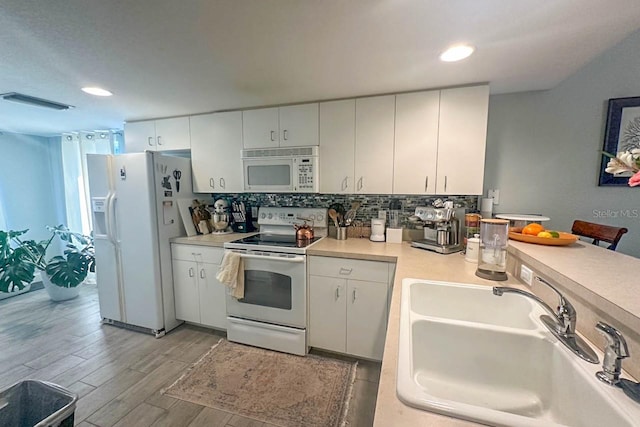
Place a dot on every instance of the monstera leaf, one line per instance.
(69, 272)
(16, 269)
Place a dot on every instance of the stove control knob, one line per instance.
(320, 217)
(312, 217)
(270, 216)
(263, 215)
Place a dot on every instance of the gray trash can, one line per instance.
(32, 403)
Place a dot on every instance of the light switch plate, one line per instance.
(526, 275)
(495, 195)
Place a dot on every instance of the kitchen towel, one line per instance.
(231, 273)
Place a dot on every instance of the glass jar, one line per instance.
(492, 259)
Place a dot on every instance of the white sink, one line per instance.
(467, 353)
(472, 304)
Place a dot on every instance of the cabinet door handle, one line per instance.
(273, 135)
(190, 271)
(223, 184)
(150, 141)
(360, 184)
(159, 139)
(344, 183)
(354, 296)
(202, 275)
(212, 183)
(337, 292)
(284, 134)
(445, 183)
(426, 183)
(345, 271)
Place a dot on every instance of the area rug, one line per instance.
(277, 388)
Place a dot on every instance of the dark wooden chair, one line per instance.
(599, 232)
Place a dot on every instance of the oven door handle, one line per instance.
(297, 259)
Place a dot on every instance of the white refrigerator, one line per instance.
(135, 213)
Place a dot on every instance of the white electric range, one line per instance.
(273, 312)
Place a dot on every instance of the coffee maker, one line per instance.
(443, 228)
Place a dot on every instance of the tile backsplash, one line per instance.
(370, 203)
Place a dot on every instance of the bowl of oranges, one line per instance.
(537, 234)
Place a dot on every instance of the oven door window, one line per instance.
(279, 174)
(267, 289)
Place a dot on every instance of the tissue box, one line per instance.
(394, 235)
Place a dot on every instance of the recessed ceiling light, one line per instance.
(97, 91)
(456, 53)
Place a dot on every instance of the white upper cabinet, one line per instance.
(462, 140)
(216, 141)
(375, 119)
(140, 136)
(157, 135)
(291, 126)
(173, 134)
(337, 146)
(299, 125)
(260, 128)
(416, 143)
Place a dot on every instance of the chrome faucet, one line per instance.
(615, 350)
(561, 323)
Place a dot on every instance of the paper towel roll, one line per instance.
(486, 207)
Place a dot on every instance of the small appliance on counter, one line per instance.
(394, 231)
(443, 230)
(377, 230)
(220, 217)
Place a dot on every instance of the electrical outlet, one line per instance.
(382, 215)
(495, 195)
(526, 275)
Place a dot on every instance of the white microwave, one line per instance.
(281, 170)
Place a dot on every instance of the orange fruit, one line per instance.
(532, 229)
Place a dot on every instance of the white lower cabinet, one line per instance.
(348, 305)
(199, 297)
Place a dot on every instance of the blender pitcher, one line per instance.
(492, 260)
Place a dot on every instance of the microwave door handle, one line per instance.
(296, 259)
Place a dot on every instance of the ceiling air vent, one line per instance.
(32, 100)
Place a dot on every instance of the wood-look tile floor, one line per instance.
(118, 373)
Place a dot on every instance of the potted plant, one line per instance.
(17, 263)
(61, 275)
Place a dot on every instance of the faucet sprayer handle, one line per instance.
(615, 341)
(615, 350)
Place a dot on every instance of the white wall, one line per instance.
(543, 147)
(30, 183)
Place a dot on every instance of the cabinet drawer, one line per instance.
(373, 271)
(198, 253)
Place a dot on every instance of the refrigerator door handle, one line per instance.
(108, 216)
(112, 227)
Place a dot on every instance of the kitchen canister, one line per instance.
(473, 248)
(341, 233)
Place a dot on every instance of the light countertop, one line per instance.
(217, 240)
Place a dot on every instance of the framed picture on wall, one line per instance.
(622, 133)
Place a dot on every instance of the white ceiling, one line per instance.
(167, 58)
